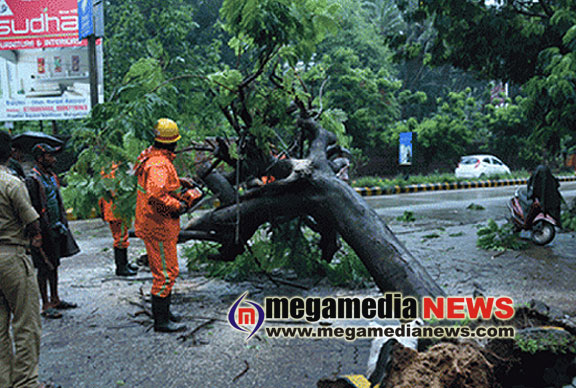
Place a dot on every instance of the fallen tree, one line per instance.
(269, 92)
(309, 188)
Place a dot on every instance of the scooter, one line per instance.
(527, 214)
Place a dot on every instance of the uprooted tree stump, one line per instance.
(443, 365)
(542, 355)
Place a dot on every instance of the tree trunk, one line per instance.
(388, 261)
(312, 189)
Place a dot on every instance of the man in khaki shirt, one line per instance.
(19, 296)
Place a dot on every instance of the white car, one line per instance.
(480, 166)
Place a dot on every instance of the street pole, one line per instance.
(93, 71)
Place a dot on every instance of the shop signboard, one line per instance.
(44, 71)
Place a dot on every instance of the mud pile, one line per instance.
(443, 365)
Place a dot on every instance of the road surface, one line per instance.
(451, 204)
(107, 341)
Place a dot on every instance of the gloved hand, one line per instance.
(188, 183)
(183, 209)
(191, 196)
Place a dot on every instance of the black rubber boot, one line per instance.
(173, 317)
(121, 260)
(161, 314)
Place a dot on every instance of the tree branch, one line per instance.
(329, 201)
(525, 12)
(320, 98)
(546, 8)
(319, 139)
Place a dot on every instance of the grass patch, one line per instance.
(545, 340)
(371, 181)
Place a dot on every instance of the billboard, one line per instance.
(36, 24)
(44, 69)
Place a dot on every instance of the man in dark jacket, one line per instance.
(15, 162)
(44, 189)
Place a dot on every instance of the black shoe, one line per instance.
(142, 261)
(133, 267)
(173, 317)
(161, 314)
(121, 260)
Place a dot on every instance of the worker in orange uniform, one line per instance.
(119, 230)
(162, 197)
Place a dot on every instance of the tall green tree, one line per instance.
(275, 41)
(530, 43)
(181, 34)
(413, 45)
(354, 69)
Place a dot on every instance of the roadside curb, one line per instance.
(373, 191)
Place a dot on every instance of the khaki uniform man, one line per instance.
(19, 296)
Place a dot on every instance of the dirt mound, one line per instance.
(442, 366)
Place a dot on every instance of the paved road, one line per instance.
(451, 205)
(107, 342)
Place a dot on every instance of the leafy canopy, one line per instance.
(531, 43)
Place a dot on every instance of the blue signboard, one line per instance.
(405, 151)
(85, 19)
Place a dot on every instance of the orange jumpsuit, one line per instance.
(117, 227)
(157, 222)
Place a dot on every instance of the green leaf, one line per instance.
(569, 38)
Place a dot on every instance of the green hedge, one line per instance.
(372, 181)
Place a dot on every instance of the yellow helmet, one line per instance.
(166, 131)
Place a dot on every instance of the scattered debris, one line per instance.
(243, 372)
(192, 332)
(498, 254)
(407, 216)
(498, 238)
(474, 206)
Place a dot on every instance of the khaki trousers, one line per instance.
(19, 301)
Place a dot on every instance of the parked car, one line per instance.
(480, 166)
